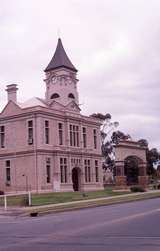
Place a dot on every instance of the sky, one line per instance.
(114, 44)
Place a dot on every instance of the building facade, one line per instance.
(47, 144)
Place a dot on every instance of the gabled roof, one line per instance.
(73, 106)
(60, 59)
(11, 108)
(32, 102)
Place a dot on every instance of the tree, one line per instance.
(108, 153)
(143, 142)
(118, 135)
(101, 116)
(110, 137)
(153, 156)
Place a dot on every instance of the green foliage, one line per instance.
(152, 157)
(58, 197)
(15, 200)
(101, 116)
(156, 186)
(118, 135)
(61, 197)
(143, 142)
(136, 189)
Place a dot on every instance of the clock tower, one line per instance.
(61, 81)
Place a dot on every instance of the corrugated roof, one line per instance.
(60, 59)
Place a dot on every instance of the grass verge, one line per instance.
(93, 203)
(58, 197)
(62, 197)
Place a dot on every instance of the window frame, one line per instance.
(8, 172)
(96, 170)
(30, 130)
(48, 170)
(74, 135)
(61, 133)
(2, 136)
(46, 131)
(95, 138)
(63, 170)
(87, 170)
(84, 135)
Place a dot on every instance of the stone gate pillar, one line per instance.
(120, 178)
(143, 178)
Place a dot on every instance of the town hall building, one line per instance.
(47, 144)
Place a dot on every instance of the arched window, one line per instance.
(55, 95)
(71, 96)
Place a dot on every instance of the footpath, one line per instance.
(75, 205)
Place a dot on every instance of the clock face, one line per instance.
(53, 79)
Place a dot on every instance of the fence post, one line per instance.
(5, 202)
(29, 199)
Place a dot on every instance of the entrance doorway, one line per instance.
(76, 175)
(131, 170)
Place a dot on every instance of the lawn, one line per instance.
(59, 197)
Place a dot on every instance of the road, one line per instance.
(128, 227)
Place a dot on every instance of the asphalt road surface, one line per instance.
(126, 227)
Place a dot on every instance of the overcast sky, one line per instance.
(115, 45)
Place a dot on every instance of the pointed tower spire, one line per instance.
(60, 59)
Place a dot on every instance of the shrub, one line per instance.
(158, 186)
(154, 187)
(136, 189)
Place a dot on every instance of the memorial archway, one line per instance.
(130, 161)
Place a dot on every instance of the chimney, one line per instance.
(12, 92)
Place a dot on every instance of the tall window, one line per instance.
(63, 170)
(84, 137)
(2, 136)
(95, 138)
(48, 170)
(30, 132)
(8, 173)
(87, 169)
(96, 171)
(60, 129)
(74, 135)
(46, 132)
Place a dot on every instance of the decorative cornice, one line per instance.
(45, 151)
(49, 112)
